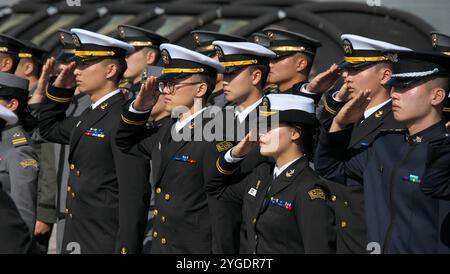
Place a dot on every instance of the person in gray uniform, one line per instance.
(19, 166)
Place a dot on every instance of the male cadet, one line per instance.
(108, 192)
(29, 67)
(441, 43)
(146, 44)
(19, 164)
(263, 40)
(366, 65)
(180, 154)
(246, 69)
(9, 53)
(400, 218)
(30, 64)
(203, 40)
(290, 69)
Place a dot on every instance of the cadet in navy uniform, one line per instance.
(9, 53)
(182, 217)
(366, 65)
(203, 41)
(108, 191)
(293, 63)
(246, 69)
(400, 218)
(286, 205)
(146, 44)
(441, 43)
(19, 166)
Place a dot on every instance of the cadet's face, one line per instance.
(275, 141)
(136, 63)
(361, 79)
(237, 85)
(84, 73)
(282, 69)
(411, 103)
(183, 96)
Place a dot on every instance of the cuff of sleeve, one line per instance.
(46, 215)
(60, 95)
(134, 117)
(132, 109)
(230, 159)
(331, 105)
(335, 139)
(224, 167)
(305, 90)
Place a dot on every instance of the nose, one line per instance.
(394, 93)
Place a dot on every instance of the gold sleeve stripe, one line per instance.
(134, 123)
(57, 99)
(19, 141)
(221, 170)
(327, 108)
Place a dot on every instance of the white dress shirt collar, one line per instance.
(104, 98)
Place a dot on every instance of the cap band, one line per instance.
(239, 63)
(182, 70)
(141, 43)
(353, 60)
(94, 53)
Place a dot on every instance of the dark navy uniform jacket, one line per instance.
(400, 218)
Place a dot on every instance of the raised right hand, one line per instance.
(148, 95)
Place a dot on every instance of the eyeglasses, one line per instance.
(171, 86)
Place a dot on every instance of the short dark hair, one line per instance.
(210, 81)
(121, 67)
(265, 69)
(307, 139)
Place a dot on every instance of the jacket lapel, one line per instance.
(288, 176)
(369, 125)
(88, 119)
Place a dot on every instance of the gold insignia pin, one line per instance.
(165, 57)
(61, 38)
(290, 172)
(256, 39)
(76, 41)
(258, 183)
(379, 113)
(121, 32)
(17, 134)
(270, 35)
(418, 139)
(434, 40)
(393, 57)
(348, 49)
(197, 38)
(104, 106)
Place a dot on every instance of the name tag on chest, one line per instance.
(252, 192)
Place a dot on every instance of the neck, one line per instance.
(424, 123)
(160, 116)
(252, 98)
(32, 83)
(287, 156)
(289, 84)
(102, 92)
(137, 79)
(197, 106)
(378, 97)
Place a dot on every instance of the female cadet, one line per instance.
(285, 204)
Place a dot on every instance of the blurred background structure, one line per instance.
(404, 22)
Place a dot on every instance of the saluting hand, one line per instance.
(148, 95)
(352, 111)
(42, 84)
(66, 78)
(324, 81)
(244, 146)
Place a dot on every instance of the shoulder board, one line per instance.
(19, 139)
